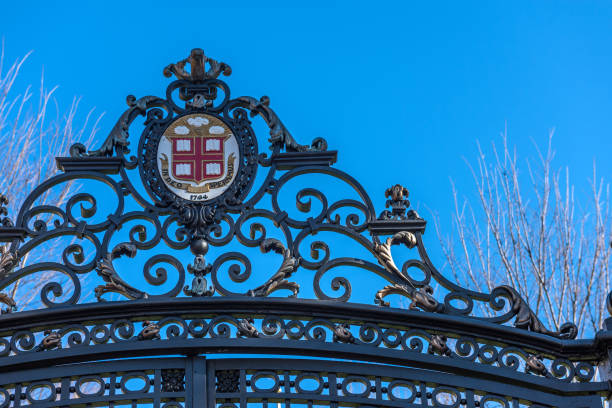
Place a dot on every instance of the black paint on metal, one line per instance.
(172, 350)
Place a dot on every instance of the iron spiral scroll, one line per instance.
(163, 202)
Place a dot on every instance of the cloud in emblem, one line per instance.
(197, 121)
(181, 130)
(216, 130)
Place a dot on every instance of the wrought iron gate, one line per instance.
(198, 180)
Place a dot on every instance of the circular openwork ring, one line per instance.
(260, 375)
(309, 376)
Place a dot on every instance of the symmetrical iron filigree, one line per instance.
(228, 305)
(219, 220)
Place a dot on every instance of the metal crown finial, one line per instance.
(197, 61)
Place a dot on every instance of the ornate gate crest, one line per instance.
(197, 156)
(196, 161)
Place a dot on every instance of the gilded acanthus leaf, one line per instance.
(107, 271)
(279, 279)
(535, 365)
(150, 330)
(342, 333)
(421, 298)
(246, 328)
(8, 301)
(8, 261)
(383, 251)
(437, 345)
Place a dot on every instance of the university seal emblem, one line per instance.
(198, 156)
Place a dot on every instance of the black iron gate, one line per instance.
(196, 381)
(198, 181)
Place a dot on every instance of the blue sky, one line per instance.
(402, 89)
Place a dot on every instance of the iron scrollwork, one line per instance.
(403, 339)
(117, 141)
(199, 181)
(279, 134)
(199, 217)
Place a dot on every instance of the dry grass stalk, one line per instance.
(33, 130)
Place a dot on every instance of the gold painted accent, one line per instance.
(197, 131)
(195, 189)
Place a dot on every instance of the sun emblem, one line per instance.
(198, 157)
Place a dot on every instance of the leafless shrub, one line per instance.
(526, 226)
(33, 130)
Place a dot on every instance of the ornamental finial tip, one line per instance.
(197, 61)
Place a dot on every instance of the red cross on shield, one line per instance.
(198, 158)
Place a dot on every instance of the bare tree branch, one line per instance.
(526, 229)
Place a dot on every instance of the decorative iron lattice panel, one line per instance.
(197, 382)
(273, 383)
(134, 383)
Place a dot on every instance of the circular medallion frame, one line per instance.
(167, 146)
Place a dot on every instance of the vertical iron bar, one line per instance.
(211, 384)
(17, 395)
(287, 382)
(65, 389)
(111, 382)
(198, 383)
(469, 398)
(189, 384)
(333, 390)
(378, 389)
(156, 388)
(242, 388)
(424, 398)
